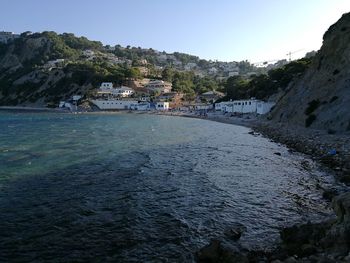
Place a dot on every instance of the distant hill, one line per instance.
(320, 98)
(43, 68)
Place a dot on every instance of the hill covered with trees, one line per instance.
(44, 68)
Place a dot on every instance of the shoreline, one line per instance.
(320, 242)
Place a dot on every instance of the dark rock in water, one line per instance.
(277, 153)
(219, 251)
(329, 194)
(345, 178)
(210, 252)
(299, 240)
(338, 238)
(235, 232)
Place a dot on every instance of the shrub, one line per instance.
(333, 99)
(335, 72)
(313, 105)
(309, 120)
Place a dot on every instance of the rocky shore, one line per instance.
(332, 150)
(326, 242)
(308, 243)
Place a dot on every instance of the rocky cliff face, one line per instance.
(29, 75)
(320, 99)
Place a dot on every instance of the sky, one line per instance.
(224, 30)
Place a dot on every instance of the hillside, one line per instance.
(320, 98)
(43, 68)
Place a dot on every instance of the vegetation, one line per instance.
(309, 120)
(36, 50)
(262, 86)
(312, 106)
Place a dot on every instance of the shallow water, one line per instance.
(131, 188)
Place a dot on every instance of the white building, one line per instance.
(142, 106)
(245, 106)
(159, 86)
(264, 107)
(106, 85)
(220, 106)
(233, 73)
(57, 63)
(203, 106)
(213, 70)
(115, 104)
(124, 91)
(162, 105)
(107, 88)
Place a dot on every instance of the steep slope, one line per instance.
(320, 99)
(42, 68)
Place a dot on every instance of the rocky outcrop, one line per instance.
(321, 97)
(322, 242)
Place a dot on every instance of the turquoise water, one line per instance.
(136, 187)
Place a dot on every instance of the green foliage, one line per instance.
(312, 106)
(81, 43)
(284, 75)
(183, 82)
(236, 87)
(185, 58)
(168, 74)
(262, 86)
(205, 84)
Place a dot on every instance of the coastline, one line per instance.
(325, 241)
(319, 242)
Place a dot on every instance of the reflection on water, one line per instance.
(142, 188)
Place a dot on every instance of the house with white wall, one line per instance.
(162, 105)
(264, 107)
(124, 91)
(245, 106)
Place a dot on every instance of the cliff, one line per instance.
(320, 98)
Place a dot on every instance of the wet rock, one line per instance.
(329, 194)
(307, 250)
(290, 260)
(301, 240)
(209, 253)
(338, 238)
(220, 251)
(345, 178)
(235, 232)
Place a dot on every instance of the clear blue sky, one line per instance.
(227, 30)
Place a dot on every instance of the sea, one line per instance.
(124, 187)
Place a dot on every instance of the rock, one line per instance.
(290, 260)
(300, 240)
(337, 239)
(209, 253)
(219, 251)
(307, 250)
(345, 178)
(235, 232)
(329, 194)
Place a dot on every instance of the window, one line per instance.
(250, 103)
(246, 103)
